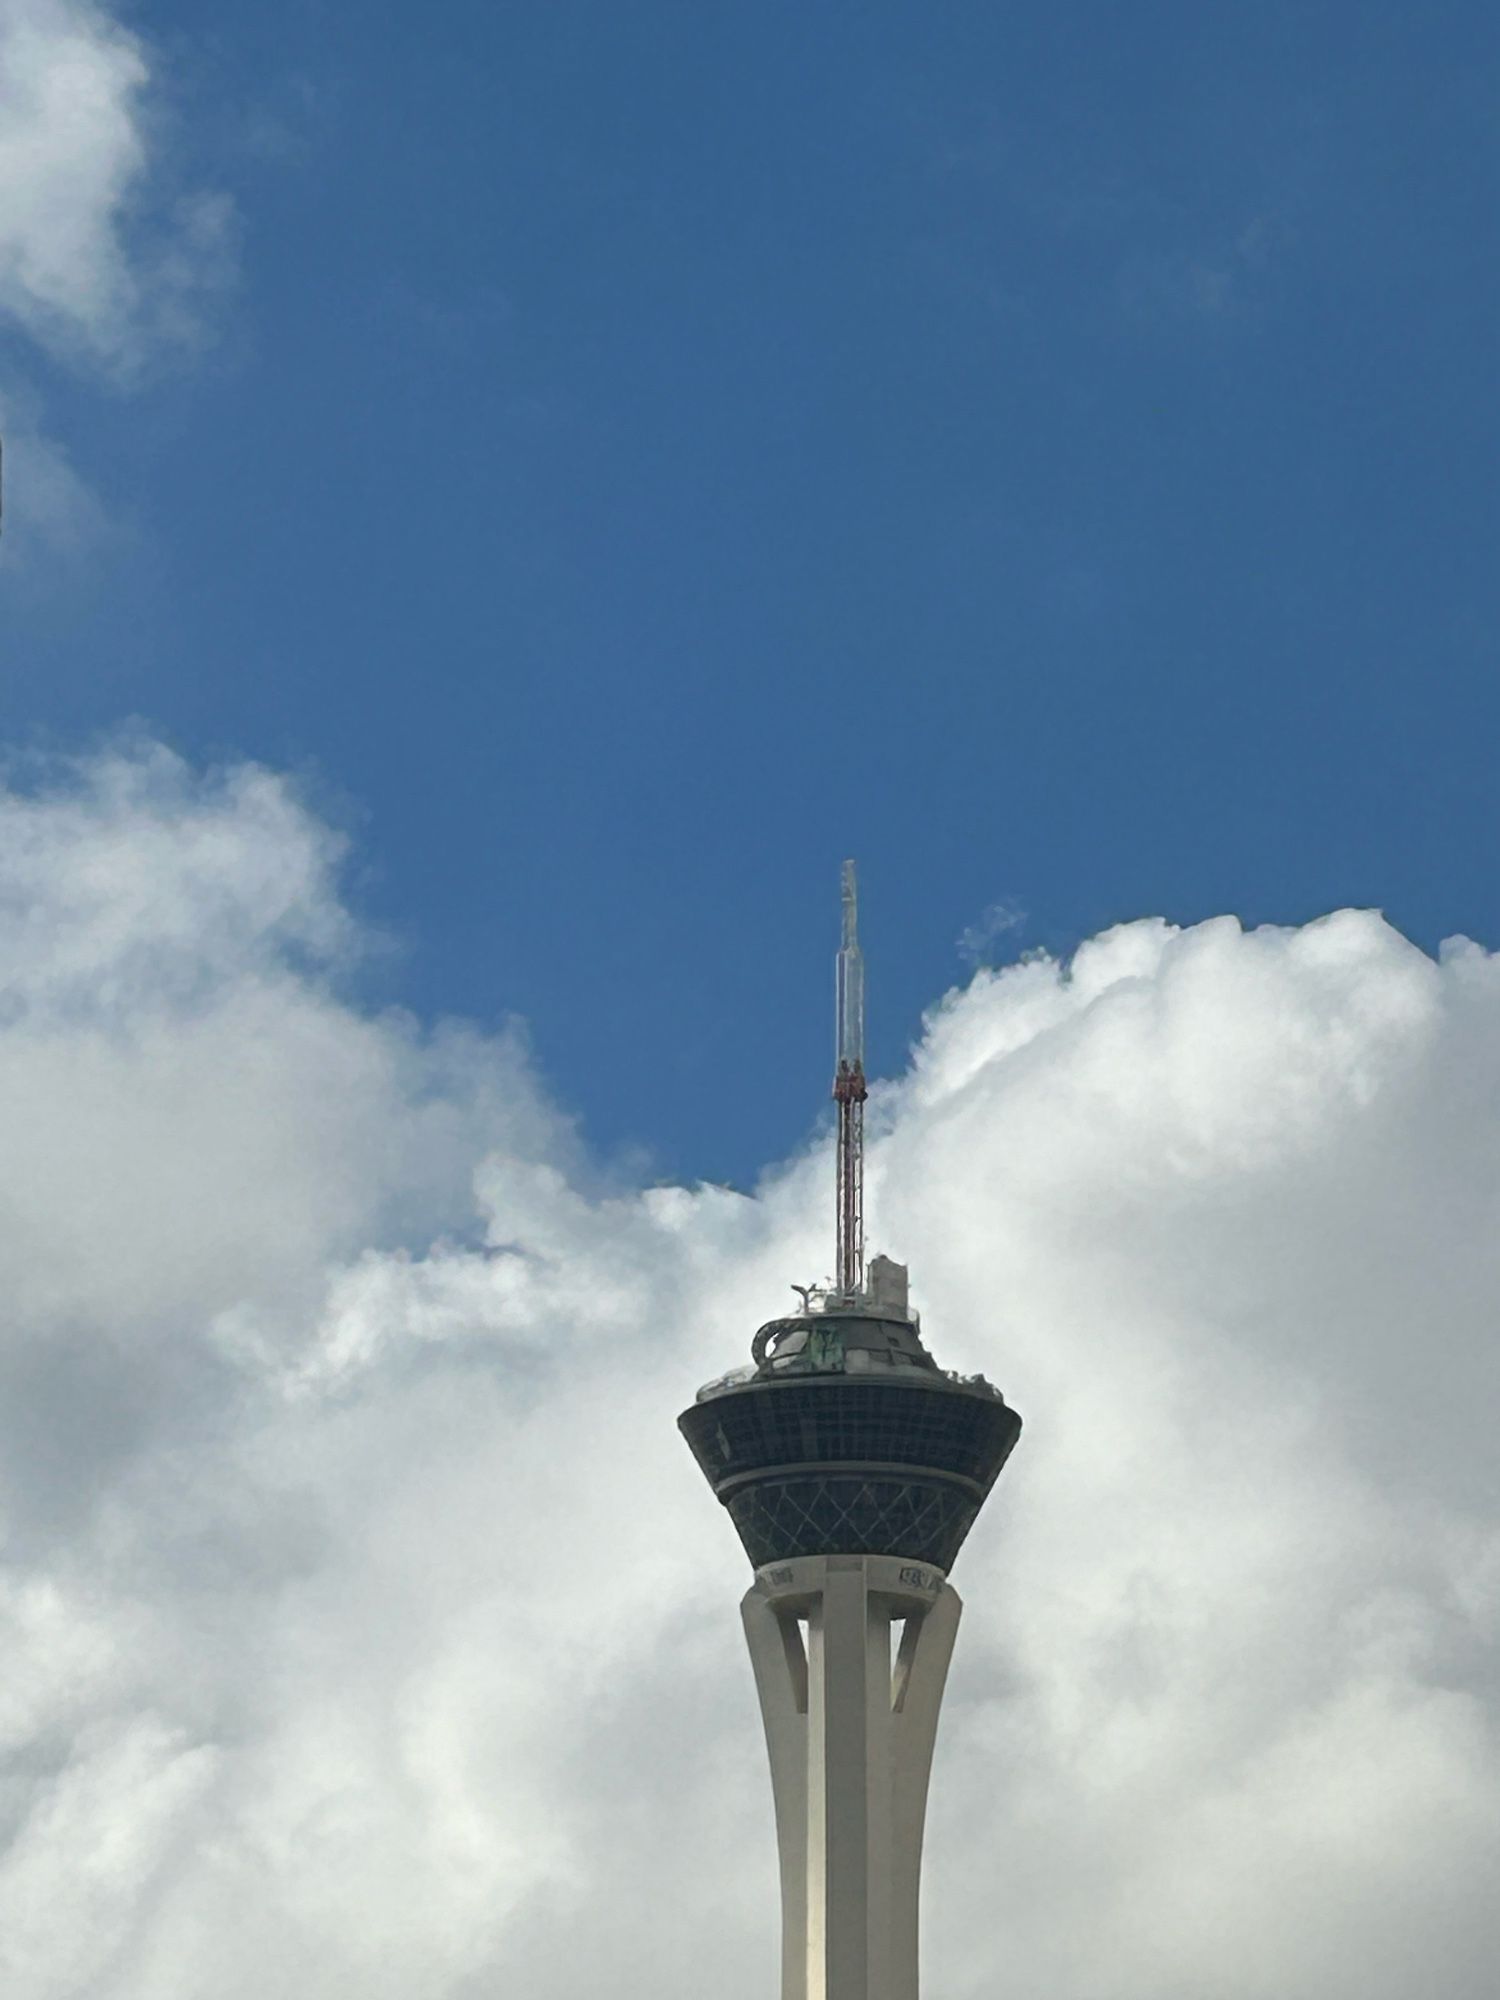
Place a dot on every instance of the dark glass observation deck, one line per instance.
(846, 1438)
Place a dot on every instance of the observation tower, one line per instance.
(852, 1467)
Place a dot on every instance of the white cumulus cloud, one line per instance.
(95, 260)
(107, 259)
(366, 1624)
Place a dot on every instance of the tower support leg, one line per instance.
(851, 1712)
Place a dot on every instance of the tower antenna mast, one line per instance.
(849, 1094)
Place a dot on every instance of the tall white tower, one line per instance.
(852, 1468)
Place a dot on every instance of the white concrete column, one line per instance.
(850, 1734)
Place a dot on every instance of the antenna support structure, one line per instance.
(849, 1094)
(852, 1468)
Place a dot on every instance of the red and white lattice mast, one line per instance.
(849, 1093)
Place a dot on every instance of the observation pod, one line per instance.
(846, 1438)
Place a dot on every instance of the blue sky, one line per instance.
(625, 458)
(611, 461)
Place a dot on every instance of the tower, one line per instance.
(852, 1467)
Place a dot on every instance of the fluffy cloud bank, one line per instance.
(366, 1627)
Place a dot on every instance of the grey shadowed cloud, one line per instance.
(367, 1627)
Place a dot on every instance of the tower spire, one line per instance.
(852, 1467)
(849, 1094)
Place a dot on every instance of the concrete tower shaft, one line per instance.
(850, 1654)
